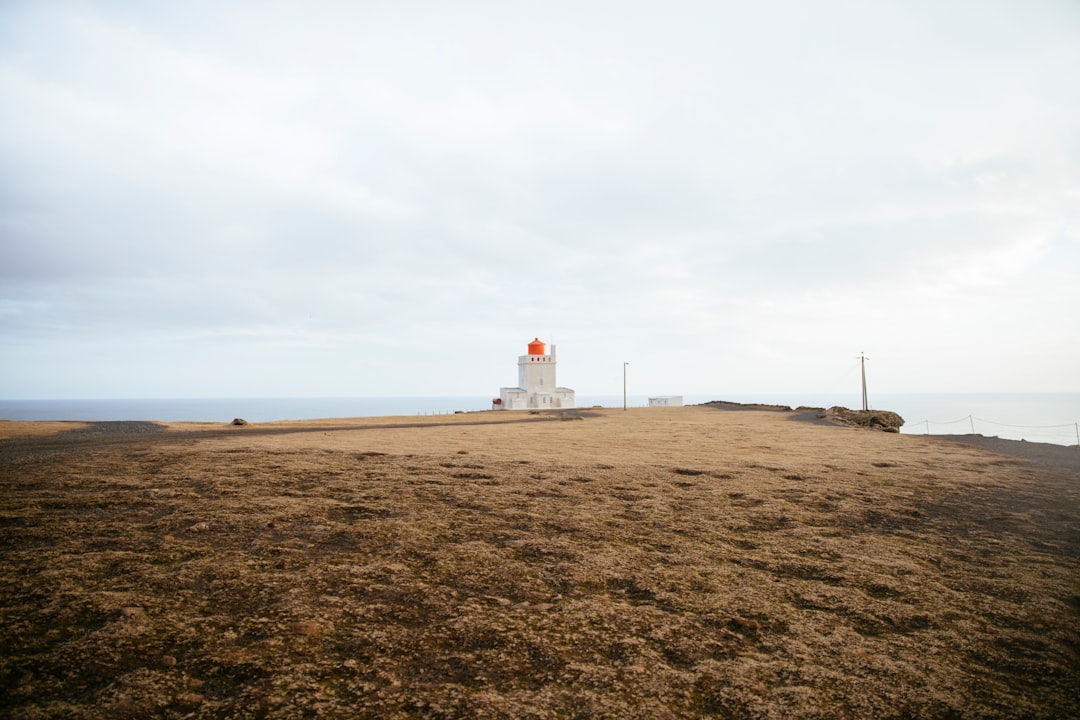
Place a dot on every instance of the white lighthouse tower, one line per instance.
(536, 388)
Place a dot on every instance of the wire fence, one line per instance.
(1062, 434)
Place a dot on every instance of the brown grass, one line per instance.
(24, 429)
(650, 563)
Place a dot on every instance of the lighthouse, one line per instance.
(536, 388)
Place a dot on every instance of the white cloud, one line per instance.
(740, 197)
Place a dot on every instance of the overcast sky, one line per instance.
(232, 199)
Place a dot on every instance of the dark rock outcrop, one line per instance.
(884, 420)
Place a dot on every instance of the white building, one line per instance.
(536, 389)
(666, 401)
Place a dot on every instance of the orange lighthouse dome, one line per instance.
(536, 347)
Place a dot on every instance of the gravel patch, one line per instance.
(115, 428)
(1056, 457)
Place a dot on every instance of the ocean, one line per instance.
(1035, 417)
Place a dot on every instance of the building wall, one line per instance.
(518, 399)
(536, 373)
(514, 399)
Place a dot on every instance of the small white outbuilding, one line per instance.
(666, 401)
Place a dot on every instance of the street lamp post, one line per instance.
(624, 384)
(862, 361)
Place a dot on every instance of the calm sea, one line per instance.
(1036, 417)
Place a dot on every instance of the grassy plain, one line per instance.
(650, 563)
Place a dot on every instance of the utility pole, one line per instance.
(624, 384)
(862, 361)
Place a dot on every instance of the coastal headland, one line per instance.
(646, 563)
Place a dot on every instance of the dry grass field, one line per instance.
(651, 563)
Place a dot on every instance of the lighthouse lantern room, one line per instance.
(536, 388)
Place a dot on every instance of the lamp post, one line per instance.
(624, 384)
(862, 361)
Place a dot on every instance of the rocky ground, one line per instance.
(651, 563)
